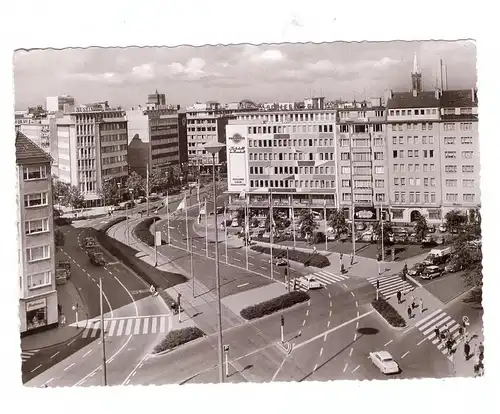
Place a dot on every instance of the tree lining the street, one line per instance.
(421, 228)
(455, 220)
(307, 224)
(338, 222)
(110, 193)
(377, 231)
(64, 194)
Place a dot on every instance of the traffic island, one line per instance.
(143, 233)
(387, 312)
(274, 305)
(177, 338)
(307, 259)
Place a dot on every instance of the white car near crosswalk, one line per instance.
(321, 278)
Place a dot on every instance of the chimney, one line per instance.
(437, 93)
(473, 95)
(414, 93)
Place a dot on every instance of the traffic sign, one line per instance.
(282, 321)
(378, 284)
(226, 348)
(465, 320)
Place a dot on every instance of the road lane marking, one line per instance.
(128, 328)
(321, 352)
(78, 264)
(120, 327)
(262, 267)
(352, 293)
(244, 284)
(300, 345)
(357, 313)
(330, 313)
(238, 260)
(328, 325)
(86, 353)
(388, 342)
(423, 340)
(48, 382)
(153, 325)
(406, 353)
(69, 366)
(145, 327)
(345, 367)
(307, 312)
(279, 369)
(355, 369)
(304, 322)
(330, 304)
(111, 327)
(326, 335)
(350, 352)
(355, 336)
(345, 285)
(329, 295)
(34, 369)
(315, 367)
(55, 354)
(357, 324)
(421, 321)
(357, 303)
(73, 340)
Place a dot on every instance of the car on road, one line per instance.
(442, 228)
(453, 267)
(235, 223)
(97, 258)
(360, 226)
(220, 210)
(431, 272)
(280, 261)
(89, 242)
(384, 362)
(417, 269)
(262, 224)
(310, 282)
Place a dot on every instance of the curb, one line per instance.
(396, 328)
(62, 342)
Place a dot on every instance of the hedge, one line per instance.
(142, 232)
(281, 302)
(62, 221)
(308, 259)
(112, 222)
(390, 314)
(178, 337)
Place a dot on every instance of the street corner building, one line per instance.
(402, 155)
(36, 249)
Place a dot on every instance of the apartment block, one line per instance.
(92, 145)
(460, 150)
(362, 158)
(289, 153)
(36, 250)
(59, 103)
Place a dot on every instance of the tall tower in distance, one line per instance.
(416, 78)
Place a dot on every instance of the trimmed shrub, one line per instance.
(308, 259)
(58, 238)
(62, 221)
(93, 216)
(390, 314)
(273, 305)
(143, 233)
(112, 222)
(178, 337)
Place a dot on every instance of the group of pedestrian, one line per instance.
(412, 305)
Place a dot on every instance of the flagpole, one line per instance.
(326, 228)
(225, 228)
(206, 226)
(187, 229)
(168, 221)
(247, 231)
(293, 223)
(271, 229)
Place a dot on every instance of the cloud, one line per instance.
(144, 71)
(320, 66)
(192, 69)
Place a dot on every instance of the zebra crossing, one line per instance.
(25, 355)
(390, 285)
(444, 322)
(126, 326)
(324, 277)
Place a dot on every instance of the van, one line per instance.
(437, 256)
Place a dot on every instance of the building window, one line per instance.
(396, 181)
(410, 153)
(411, 198)
(468, 168)
(36, 226)
(379, 183)
(469, 197)
(35, 200)
(433, 198)
(449, 126)
(346, 183)
(416, 153)
(402, 167)
(401, 153)
(450, 154)
(344, 142)
(468, 183)
(450, 183)
(394, 140)
(35, 254)
(396, 197)
(379, 142)
(379, 169)
(451, 197)
(379, 156)
(380, 197)
(465, 126)
(38, 280)
(35, 173)
(466, 140)
(467, 154)
(402, 181)
(345, 170)
(426, 198)
(344, 156)
(395, 167)
(346, 197)
(395, 154)
(411, 181)
(450, 140)
(403, 198)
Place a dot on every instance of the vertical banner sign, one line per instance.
(158, 238)
(237, 158)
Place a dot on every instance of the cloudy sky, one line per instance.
(283, 72)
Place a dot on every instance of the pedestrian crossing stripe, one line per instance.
(389, 286)
(129, 326)
(25, 355)
(443, 322)
(324, 277)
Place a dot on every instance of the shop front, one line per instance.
(38, 314)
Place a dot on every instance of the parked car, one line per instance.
(438, 256)
(89, 242)
(360, 226)
(262, 224)
(367, 236)
(97, 259)
(431, 272)
(431, 228)
(442, 228)
(235, 223)
(453, 267)
(310, 282)
(384, 362)
(281, 262)
(417, 269)
(220, 210)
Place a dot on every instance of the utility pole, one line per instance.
(247, 231)
(352, 195)
(271, 221)
(147, 190)
(104, 373)
(382, 225)
(191, 262)
(168, 219)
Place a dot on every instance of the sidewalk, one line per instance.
(67, 296)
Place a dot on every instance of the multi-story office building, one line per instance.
(291, 153)
(156, 100)
(92, 146)
(59, 103)
(459, 154)
(362, 158)
(36, 250)
(154, 139)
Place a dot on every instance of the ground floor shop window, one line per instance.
(397, 214)
(36, 313)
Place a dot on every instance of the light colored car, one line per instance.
(383, 360)
(431, 272)
(442, 228)
(310, 282)
(235, 223)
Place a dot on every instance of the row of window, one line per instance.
(306, 142)
(453, 154)
(428, 182)
(289, 156)
(290, 129)
(453, 140)
(85, 141)
(88, 186)
(414, 167)
(113, 137)
(414, 198)
(407, 112)
(362, 198)
(114, 148)
(362, 183)
(413, 126)
(110, 126)
(361, 128)
(36, 199)
(464, 126)
(110, 171)
(413, 153)
(360, 114)
(377, 142)
(453, 197)
(292, 170)
(362, 156)
(465, 183)
(86, 153)
(292, 183)
(38, 280)
(454, 168)
(202, 129)
(86, 164)
(35, 173)
(412, 140)
(289, 117)
(36, 226)
(112, 160)
(457, 111)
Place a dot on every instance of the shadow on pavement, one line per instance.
(368, 331)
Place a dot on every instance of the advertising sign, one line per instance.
(237, 154)
(36, 304)
(365, 213)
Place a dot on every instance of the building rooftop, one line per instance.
(27, 152)
(407, 100)
(459, 98)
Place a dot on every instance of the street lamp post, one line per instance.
(213, 148)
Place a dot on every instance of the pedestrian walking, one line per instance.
(449, 346)
(398, 295)
(409, 312)
(341, 256)
(314, 250)
(421, 305)
(352, 259)
(437, 333)
(466, 351)
(59, 308)
(481, 349)
(413, 302)
(63, 319)
(405, 269)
